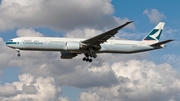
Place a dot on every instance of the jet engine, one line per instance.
(72, 46)
(67, 55)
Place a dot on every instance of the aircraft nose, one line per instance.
(10, 43)
(7, 43)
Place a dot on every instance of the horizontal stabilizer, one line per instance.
(162, 42)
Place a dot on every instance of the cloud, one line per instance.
(139, 81)
(28, 32)
(5, 54)
(85, 33)
(154, 15)
(171, 34)
(58, 14)
(30, 88)
(63, 99)
(90, 32)
(7, 90)
(133, 78)
(88, 96)
(173, 59)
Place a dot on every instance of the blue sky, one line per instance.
(74, 80)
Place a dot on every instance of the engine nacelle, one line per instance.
(72, 46)
(67, 55)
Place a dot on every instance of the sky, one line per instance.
(43, 76)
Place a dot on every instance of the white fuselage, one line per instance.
(73, 45)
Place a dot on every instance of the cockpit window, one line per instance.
(11, 40)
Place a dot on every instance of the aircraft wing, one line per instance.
(162, 42)
(104, 36)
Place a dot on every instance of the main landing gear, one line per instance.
(18, 52)
(88, 57)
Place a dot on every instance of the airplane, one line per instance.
(71, 47)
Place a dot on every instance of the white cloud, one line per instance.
(90, 32)
(57, 14)
(140, 81)
(86, 33)
(5, 54)
(30, 88)
(152, 81)
(7, 90)
(84, 96)
(154, 15)
(63, 99)
(28, 32)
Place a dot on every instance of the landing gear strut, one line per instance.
(18, 52)
(91, 54)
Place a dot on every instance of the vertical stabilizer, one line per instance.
(155, 34)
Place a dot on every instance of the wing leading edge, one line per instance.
(104, 36)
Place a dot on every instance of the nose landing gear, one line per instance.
(18, 52)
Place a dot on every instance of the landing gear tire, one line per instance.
(18, 54)
(90, 60)
(87, 59)
(84, 59)
(95, 56)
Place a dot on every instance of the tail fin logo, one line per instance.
(154, 35)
